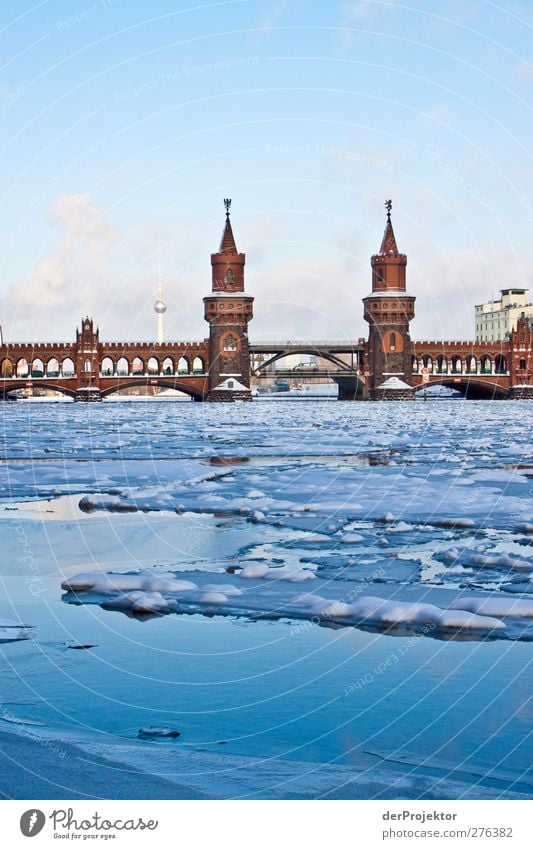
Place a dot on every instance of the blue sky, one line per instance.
(125, 123)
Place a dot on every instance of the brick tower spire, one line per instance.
(389, 309)
(228, 310)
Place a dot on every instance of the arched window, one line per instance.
(230, 342)
(229, 277)
(88, 366)
(67, 367)
(183, 365)
(52, 368)
(7, 368)
(108, 367)
(415, 364)
(123, 367)
(392, 341)
(37, 368)
(198, 365)
(153, 366)
(137, 366)
(168, 366)
(522, 364)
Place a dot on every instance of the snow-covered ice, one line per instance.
(263, 576)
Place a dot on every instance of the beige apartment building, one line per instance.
(495, 320)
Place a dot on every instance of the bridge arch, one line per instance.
(323, 355)
(43, 384)
(164, 383)
(470, 388)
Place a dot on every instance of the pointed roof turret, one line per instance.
(227, 244)
(388, 244)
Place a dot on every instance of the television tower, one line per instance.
(160, 306)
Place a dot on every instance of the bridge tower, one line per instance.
(228, 309)
(87, 362)
(388, 310)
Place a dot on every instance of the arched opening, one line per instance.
(153, 366)
(168, 365)
(68, 368)
(414, 364)
(457, 365)
(87, 366)
(230, 342)
(471, 364)
(522, 365)
(183, 365)
(486, 364)
(7, 368)
(442, 364)
(198, 365)
(123, 367)
(146, 391)
(428, 362)
(392, 341)
(107, 368)
(137, 367)
(229, 277)
(37, 368)
(52, 367)
(500, 366)
(23, 369)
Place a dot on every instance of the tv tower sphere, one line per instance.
(160, 307)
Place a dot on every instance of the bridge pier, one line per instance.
(520, 393)
(351, 389)
(88, 394)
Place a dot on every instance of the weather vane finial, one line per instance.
(388, 207)
(227, 204)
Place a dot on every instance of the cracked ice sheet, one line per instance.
(272, 492)
(259, 590)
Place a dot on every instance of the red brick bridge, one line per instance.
(388, 365)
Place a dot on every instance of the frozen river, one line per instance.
(325, 599)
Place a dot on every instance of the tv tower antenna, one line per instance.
(160, 306)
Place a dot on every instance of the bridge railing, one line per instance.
(306, 343)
